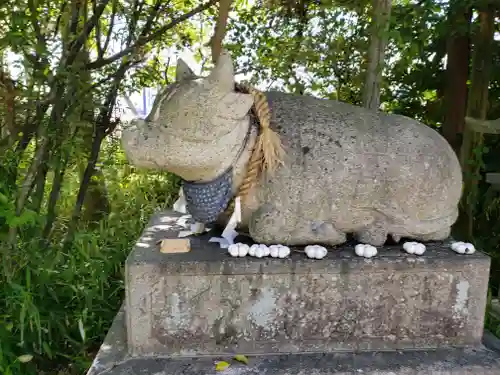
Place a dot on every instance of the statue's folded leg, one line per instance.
(374, 234)
(270, 226)
(439, 235)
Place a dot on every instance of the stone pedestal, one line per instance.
(207, 303)
(395, 314)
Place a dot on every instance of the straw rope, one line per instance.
(268, 152)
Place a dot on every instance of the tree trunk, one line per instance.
(381, 14)
(96, 204)
(40, 182)
(477, 106)
(220, 29)
(8, 93)
(457, 71)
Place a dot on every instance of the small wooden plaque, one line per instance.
(175, 245)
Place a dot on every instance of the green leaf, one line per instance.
(221, 366)
(241, 358)
(9, 326)
(81, 329)
(46, 349)
(3, 199)
(25, 358)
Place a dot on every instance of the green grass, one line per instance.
(57, 306)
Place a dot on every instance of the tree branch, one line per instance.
(77, 44)
(102, 127)
(34, 22)
(151, 17)
(39, 59)
(59, 171)
(9, 91)
(100, 51)
(99, 63)
(137, 8)
(110, 28)
(75, 15)
(58, 20)
(28, 181)
(57, 117)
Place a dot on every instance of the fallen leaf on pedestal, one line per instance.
(241, 358)
(221, 366)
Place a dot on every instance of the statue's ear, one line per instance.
(235, 105)
(183, 71)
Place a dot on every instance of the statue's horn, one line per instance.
(223, 72)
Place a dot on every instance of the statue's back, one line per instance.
(358, 168)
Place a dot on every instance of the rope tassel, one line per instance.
(268, 149)
(268, 153)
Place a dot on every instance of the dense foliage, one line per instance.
(71, 206)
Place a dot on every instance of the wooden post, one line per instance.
(476, 128)
(483, 126)
(494, 180)
(476, 108)
(457, 71)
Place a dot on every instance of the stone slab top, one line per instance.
(437, 362)
(113, 359)
(207, 258)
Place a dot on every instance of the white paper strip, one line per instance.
(229, 233)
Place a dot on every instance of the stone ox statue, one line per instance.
(347, 169)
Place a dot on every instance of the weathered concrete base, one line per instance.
(206, 302)
(395, 314)
(113, 359)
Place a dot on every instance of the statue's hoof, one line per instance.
(414, 248)
(364, 250)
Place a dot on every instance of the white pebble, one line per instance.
(259, 251)
(364, 250)
(315, 251)
(414, 248)
(238, 249)
(463, 247)
(252, 249)
(279, 251)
